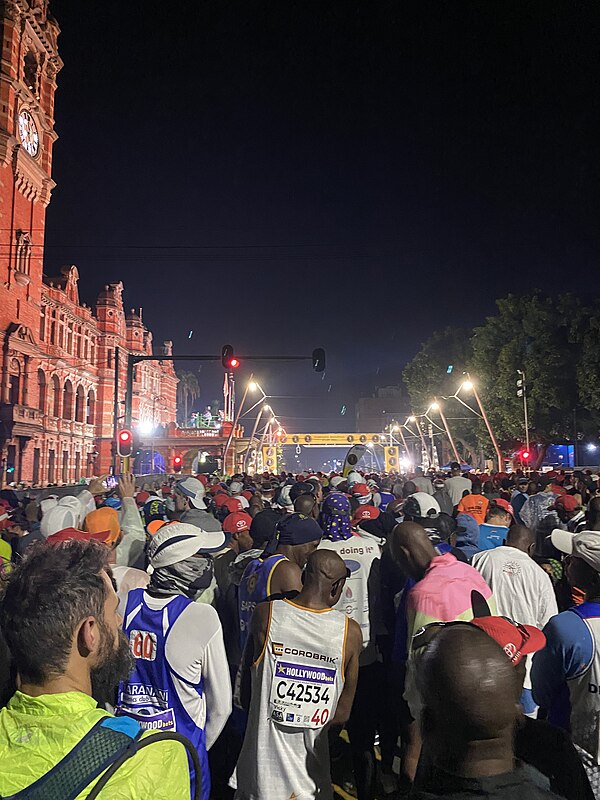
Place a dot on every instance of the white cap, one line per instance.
(60, 517)
(335, 481)
(585, 545)
(194, 490)
(421, 504)
(235, 487)
(354, 477)
(176, 542)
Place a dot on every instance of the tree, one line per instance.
(556, 342)
(427, 376)
(188, 391)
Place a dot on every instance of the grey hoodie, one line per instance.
(201, 519)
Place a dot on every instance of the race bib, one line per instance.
(302, 696)
(161, 721)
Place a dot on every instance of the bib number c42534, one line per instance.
(302, 696)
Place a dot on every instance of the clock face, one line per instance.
(28, 133)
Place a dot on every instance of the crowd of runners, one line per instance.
(272, 637)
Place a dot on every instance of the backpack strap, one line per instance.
(106, 742)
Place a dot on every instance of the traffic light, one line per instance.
(124, 443)
(228, 359)
(521, 385)
(318, 359)
(177, 463)
(525, 455)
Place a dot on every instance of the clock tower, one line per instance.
(29, 63)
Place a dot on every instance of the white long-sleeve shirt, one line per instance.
(523, 590)
(131, 546)
(194, 650)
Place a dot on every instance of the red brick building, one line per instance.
(57, 359)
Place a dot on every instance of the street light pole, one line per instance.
(471, 386)
(523, 388)
(237, 416)
(254, 429)
(438, 407)
(423, 442)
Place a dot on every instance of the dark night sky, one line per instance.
(282, 175)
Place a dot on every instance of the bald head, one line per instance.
(324, 567)
(305, 504)
(593, 514)
(324, 577)
(520, 537)
(469, 690)
(411, 549)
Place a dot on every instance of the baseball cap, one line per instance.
(236, 487)
(296, 529)
(515, 639)
(176, 542)
(104, 519)
(155, 525)
(365, 512)
(142, 498)
(567, 501)
(232, 504)
(421, 504)
(221, 498)
(523, 481)
(354, 477)
(504, 505)
(335, 482)
(194, 490)
(585, 545)
(359, 490)
(237, 522)
(83, 536)
(301, 487)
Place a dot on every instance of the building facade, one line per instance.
(57, 361)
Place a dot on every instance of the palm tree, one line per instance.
(188, 390)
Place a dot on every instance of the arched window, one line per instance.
(55, 404)
(68, 400)
(91, 407)
(41, 376)
(79, 404)
(15, 383)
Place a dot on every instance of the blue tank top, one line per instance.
(255, 587)
(150, 694)
(386, 499)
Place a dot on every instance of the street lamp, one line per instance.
(435, 406)
(469, 386)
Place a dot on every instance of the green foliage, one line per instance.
(556, 342)
(188, 390)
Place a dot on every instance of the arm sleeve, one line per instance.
(133, 542)
(217, 687)
(568, 652)
(548, 607)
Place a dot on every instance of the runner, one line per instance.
(301, 668)
(180, 680)
(278, 572)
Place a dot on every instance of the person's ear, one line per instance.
(88, 637)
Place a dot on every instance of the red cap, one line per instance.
(247, 494)
(499, 501)
(237, 522)
(366, 512)
(515, 639)
(567, 501)
(221, 499)
(165, 488)
(141, 498)
(72, 533)
(552, 474)
(360, 490)
(203, 479)
(232, 504)
(215, 488)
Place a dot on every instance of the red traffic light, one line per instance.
(124, 443)
(228, 360)
(177, 463)
(525, 455)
